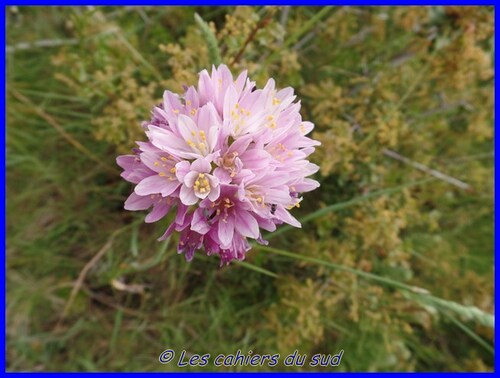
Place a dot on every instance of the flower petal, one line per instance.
(190, 178)
(286, 217)
(135, 202)
(187, 196)
(201, 165)
(199, 222)
(158, 212)
(247, 225)
(150, 185)
(182, 168)
(226, 231)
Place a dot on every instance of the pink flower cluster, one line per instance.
(230, 158)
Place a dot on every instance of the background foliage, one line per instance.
(393, 264)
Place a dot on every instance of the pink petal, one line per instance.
(182, 168)
(181, 214)
(135, 202)
(240, 81)
(201, 165)
(171, 102)
(150, 185)
(280, 195)
(192, 97)
(256, 159)
(187, 196)
(246, 225)
(199, 222)
(215, 188)
(167, 141)
(240, 144)
(226, 231)
(149, 160)
(187, 127)
(205, 87)
(167, 232)
(127, 161)
(169, 186)
(202, 195)
(306, 127)
(286, 217)
(190, 178)
(306, 185)
(208, 117)
(230, 100)
(222, 175)
(158, 212)
(212, 137)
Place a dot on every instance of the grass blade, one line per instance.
(472, 335)
(116, 328)
(346, 204)
(423, 295)
(313, 21)
(256, 268)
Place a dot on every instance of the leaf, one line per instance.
(210, 39)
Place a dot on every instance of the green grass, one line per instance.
(426, 307)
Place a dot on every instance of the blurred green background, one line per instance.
(394, 263)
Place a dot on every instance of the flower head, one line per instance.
(231, 160)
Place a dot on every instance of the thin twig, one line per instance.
(52, 122)
(439, 175)
(260, 25)
(41, 43)
(108, 301)
(284, 15)
(81, 277)
(304, 40)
